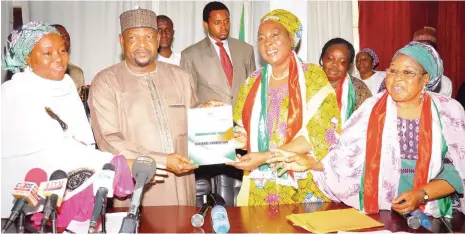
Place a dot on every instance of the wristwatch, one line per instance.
(425, 196)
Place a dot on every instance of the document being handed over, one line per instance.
(210, 135)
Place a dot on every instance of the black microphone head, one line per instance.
(58, 175)
(146, 165)
(215, 199)
(109, 167)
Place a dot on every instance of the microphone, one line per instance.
(53, 192)
(416, 218)
(53, 214)
(143, 171)
(212, 200)
(26, 193)
(220, 219)
(104, 187)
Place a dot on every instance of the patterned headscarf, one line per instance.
(288, 21)
(21, 42)
(428, 57)
(372, 55)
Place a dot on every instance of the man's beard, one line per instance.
(143, 63)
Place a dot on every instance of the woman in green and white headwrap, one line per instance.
(19, 55)
(288, 104)
(403, 149)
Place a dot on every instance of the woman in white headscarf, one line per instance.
(44, 124)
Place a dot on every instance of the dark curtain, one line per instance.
(387, 26)
(451, 41)
(383, 28)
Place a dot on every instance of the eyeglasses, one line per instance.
(402, 73)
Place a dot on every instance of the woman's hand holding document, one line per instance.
(240, 138)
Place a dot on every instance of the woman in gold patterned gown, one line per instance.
(288, 104)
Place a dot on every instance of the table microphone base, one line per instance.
(129, 225)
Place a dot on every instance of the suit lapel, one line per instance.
(237, 63)
(215, 60)
(210, 49)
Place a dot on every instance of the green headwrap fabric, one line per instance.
(21, 42)
(428, 57)
(288, 21)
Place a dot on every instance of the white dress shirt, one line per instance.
(174, 59)
(217, 48)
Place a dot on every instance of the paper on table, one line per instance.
(299, 220)
(333, 221)
(114, 221)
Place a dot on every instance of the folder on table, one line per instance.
(333, 221)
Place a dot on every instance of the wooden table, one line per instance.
(267, 219)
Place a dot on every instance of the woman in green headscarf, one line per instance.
(403, 149)
(288, 104)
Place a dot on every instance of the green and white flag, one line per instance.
(242, 26)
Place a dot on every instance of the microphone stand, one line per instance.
(446, 224)
(103, 214)
(53, 218)
(137, 220)
(21, 222)
(129, 225)
(23, 226)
